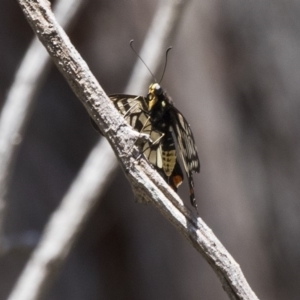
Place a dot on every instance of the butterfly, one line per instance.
(157, 116)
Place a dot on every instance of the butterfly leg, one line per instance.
(192, 192)
(131, 110)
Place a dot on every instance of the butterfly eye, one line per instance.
(158, 89)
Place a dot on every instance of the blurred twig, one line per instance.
(65, 225)
(20, 99)
(145, 181)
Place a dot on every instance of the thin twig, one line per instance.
(20, 100)
(145, 181)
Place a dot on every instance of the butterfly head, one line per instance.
(156, 93)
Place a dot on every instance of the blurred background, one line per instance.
(234, 73)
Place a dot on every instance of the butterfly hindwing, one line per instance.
(186, 142)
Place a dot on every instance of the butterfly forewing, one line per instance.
(186, 142)
(187, 148)
(131, 107)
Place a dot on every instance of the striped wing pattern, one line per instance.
(187, 147)
(134, 108)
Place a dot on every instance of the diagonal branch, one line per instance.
(145, 181)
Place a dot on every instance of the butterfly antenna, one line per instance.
(131, 46)
(166, 61)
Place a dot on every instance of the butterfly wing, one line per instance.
(132, 108)
(187, 148)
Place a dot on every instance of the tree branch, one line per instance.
(145, 181)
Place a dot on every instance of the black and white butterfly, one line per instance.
(156, 116)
